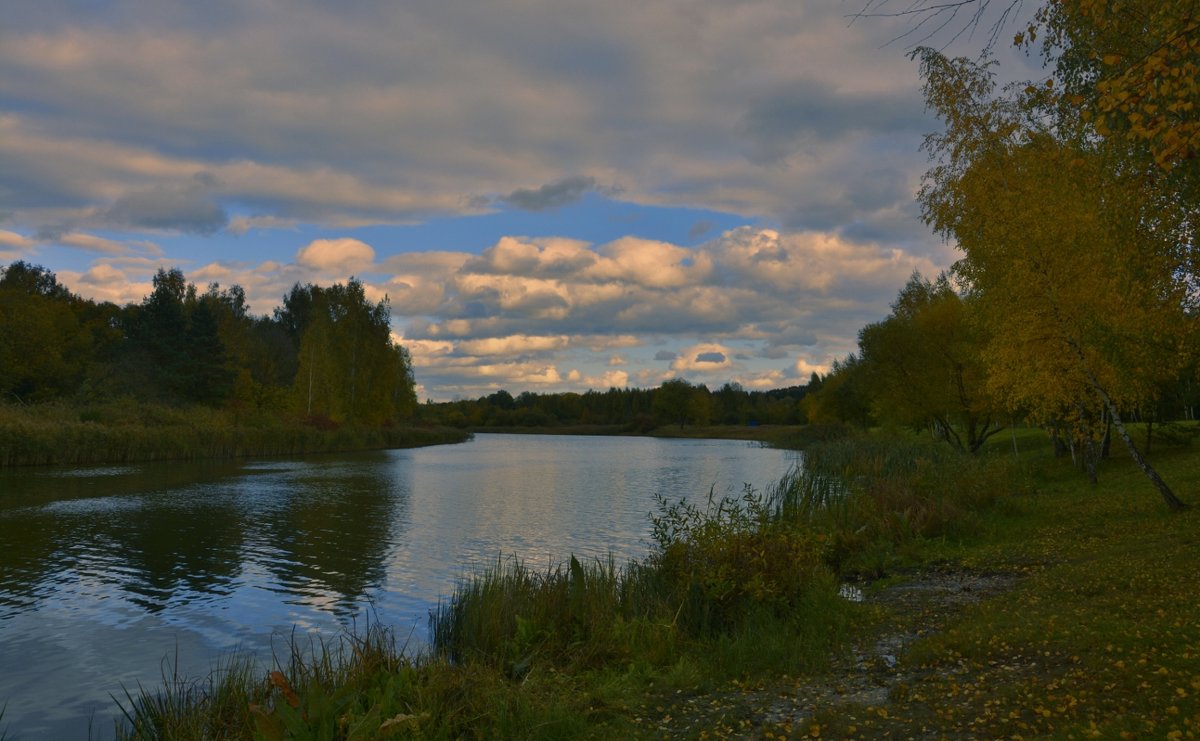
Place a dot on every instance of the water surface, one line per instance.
(111, 575)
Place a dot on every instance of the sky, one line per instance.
(552, 195)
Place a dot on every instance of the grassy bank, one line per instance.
(1099, 639)
(123, 433)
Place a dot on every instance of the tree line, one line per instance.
(676, 402)
(325, 355)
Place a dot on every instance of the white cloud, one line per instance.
(513, 345)
(650, 263)
(804, 369)
(341, 256)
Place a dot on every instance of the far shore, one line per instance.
(771, 434)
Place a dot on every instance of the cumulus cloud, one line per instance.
(513, 345)
(105, 281)
(749, 297)
(92, 243)
(343, 255)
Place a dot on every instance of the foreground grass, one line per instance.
(1101, 637)
(127, 432)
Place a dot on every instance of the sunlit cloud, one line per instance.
(14, 240)
(336, 255)
(513, 345)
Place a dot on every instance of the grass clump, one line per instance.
(877, 499)
(734, 567)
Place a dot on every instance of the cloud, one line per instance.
(225, 120)
(724, 309)
(184, 207)
(304, 115)
(700, 228)
(806, 112)
(649, 263)
(804, 369)
(343, 255)
(552, 195)
(513, 345)
(93, 243)
(104, 281)
(703, 358)
(15, 241)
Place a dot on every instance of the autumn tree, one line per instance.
(924, 366)
(1133, 69)
(1075, 260)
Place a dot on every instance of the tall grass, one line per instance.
(873, 498)
(217, 706)
(726, 568)
(124, 433)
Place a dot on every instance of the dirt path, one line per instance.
(864, 681)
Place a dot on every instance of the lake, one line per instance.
(111, 576)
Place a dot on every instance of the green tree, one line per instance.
(924, 366)
(43, 348)
(349, 370)
(843, 395)
(675, 401)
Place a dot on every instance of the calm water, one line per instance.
(111, 575)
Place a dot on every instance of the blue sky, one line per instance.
(553, 195)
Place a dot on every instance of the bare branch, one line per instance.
(930, 18)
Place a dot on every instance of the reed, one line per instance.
(217, 706)
(875, 498)
(730, 567)
(121, 433)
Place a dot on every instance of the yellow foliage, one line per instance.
(1074, 260)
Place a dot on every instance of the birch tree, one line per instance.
(1075, 260)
